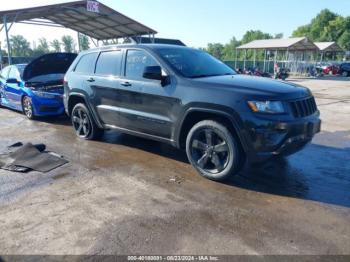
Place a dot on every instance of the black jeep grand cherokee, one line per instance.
(189, 99)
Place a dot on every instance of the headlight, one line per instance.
(271, 107)
(43, 94)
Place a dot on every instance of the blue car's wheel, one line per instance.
(28, 107)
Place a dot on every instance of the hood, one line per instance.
(49, 64)
(256, 86)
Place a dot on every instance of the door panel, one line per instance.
(148, 107)
(105, 86)
(106, 99)
(14, 91)
(144, 105)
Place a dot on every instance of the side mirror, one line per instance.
(153, 72)
(12, 81)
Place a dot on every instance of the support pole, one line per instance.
(254, 58)
(236, 58)
(9, 53)
(245, 58)
(79, 43)
(264, 61)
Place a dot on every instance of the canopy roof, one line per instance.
(328, 47)
(291, 44)
(90, 18)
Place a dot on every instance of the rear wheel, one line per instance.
(28, 107)
(83, 123)
(213, 150)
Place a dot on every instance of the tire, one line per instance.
(214, 151)
(345, 74)
(27, 107)
(84, 124)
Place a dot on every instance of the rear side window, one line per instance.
(136, 62)
(14, 73)
(5, 72)
(109, 63)
(86, 65)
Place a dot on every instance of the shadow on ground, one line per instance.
(318, 173)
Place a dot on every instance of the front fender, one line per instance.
(219, 110)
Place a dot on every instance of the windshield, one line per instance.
(21, 69)
(193, 63)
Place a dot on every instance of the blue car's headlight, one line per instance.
(271, 107)
(43, 94)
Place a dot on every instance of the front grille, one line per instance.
(303, 108)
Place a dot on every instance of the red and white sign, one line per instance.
(93, 6)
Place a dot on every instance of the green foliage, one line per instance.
(68, 44)
(56, 45)
(344, 40)
(42, 48)
(255, 35)
(20, 46)
(327, 26)
(84, 42)
(216, 50)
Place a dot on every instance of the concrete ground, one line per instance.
(126, 195)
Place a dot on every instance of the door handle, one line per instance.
(91, 80)
(126, 84)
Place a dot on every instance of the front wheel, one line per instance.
(345, 74)
(83, 123)
(28, 107)
(213, 151)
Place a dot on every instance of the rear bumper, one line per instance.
(272, 138)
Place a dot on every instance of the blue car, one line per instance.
(36, 89)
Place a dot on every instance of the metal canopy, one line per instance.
(291, 44)
(328, 47)
(90, 18)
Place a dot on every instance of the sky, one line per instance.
(197, 22)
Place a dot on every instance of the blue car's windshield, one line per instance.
(21, 69)
(194, 63)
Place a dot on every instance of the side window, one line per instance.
(109, 63)
(86, 64)
(5, 72)
(14, 73)
(136, 61)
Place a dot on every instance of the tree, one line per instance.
(68, 44)
(278, 36)
(20, 46)
(327, 26)
(84, 42)
(56, 45)
(216, 50)
(42, 48)
(344, 40)
(229, 52)
(255, 35)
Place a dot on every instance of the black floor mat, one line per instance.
(23, 158)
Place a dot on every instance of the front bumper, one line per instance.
(269, 138)
(48, 106)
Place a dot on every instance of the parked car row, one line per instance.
(172, 94)
(37, 88)
(334, 69)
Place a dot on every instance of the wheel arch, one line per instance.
(227, 117)
(76, 98)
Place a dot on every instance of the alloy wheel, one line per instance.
(81, 122)
(27, 107)
(210, 151)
